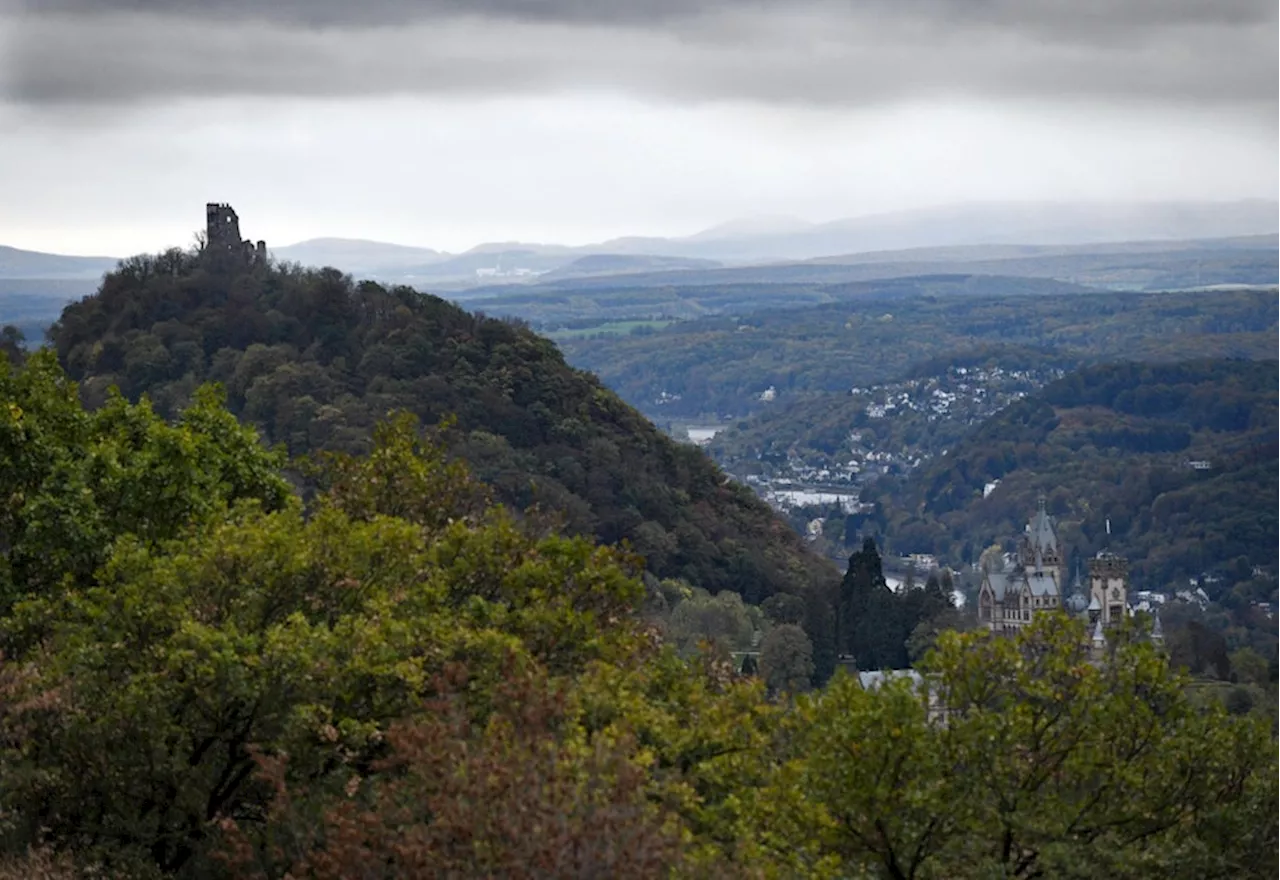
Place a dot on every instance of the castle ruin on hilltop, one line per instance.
(222, 238)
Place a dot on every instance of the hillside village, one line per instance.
(890, 429)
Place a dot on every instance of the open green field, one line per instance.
(608, 328)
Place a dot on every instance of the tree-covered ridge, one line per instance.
(685, 295)
(721, 365)
(1178, 458)
(393, 678)
(314, 360)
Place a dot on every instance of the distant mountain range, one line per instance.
(1004, 224)
(16, 263)
(1153, 265)
(357, 256)
(1017, 228)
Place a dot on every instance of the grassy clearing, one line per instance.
(608, 328)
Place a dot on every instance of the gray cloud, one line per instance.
(120, 52)
(341, 13)
(1078, 15)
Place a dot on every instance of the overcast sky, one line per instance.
(446, 123)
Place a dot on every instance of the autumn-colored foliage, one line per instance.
(208, 677)
(515, 794)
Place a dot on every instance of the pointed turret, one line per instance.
(1077, 602)
(1098, 643)
(1040, 530)
(1039, 554)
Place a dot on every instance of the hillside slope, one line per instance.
(32, 305)
(314, 359)
(1112, 447)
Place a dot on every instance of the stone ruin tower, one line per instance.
(222, 238)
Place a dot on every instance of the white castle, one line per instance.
(1009, 599)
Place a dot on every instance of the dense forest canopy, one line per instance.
(695, 295)
(314, 360)
(719, 366)
(210, 676)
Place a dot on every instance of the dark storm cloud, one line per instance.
(110, 52)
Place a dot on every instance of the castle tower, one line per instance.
(222, 228)
(222, 238)
(1039, 551)
(1109, 587)
(1008, 600)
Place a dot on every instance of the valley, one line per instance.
(819, 384)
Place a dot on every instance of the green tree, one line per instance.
(992, 559)
(272, 632)
(875, 623)
(864, 602)
(786, 659)
(1018, 757)
(12, 344)
(783, 608)
(515, 797)
(76, 482)
(924, 637)
(1250, 666)
(722, 619)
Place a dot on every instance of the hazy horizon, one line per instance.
(707, 233)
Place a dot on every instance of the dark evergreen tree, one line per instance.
(820, 626)
(873, 622)
(12, 343)
(866, 610)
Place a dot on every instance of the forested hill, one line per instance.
(1179, 457)
(314, 360)
(720, 365)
